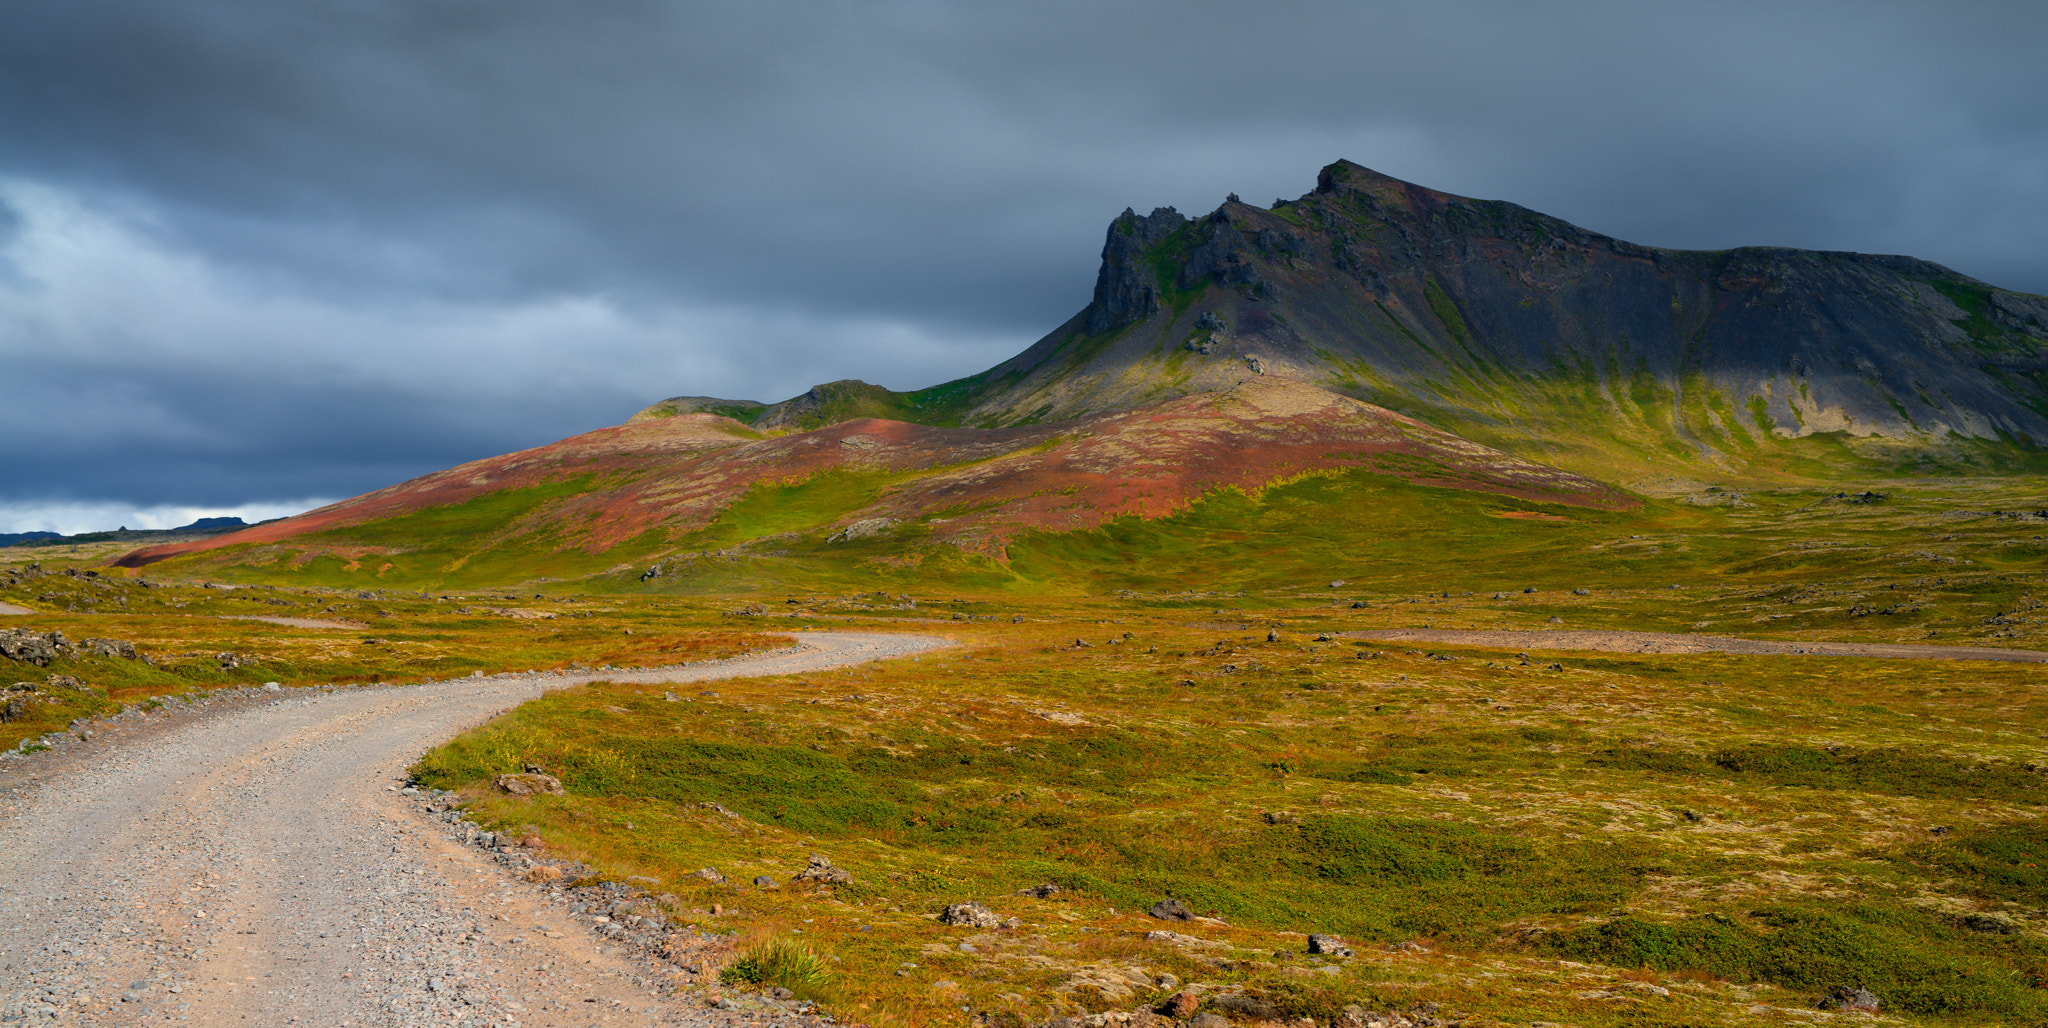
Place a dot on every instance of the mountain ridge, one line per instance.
(1491, 320)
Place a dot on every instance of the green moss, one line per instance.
(1914, 961)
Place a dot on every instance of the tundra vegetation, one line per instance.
(1173, 708)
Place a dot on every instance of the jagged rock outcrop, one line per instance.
(1497, 321)
(1517, 329)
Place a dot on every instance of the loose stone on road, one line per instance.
(254, 867)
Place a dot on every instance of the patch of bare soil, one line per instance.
(1615, 641)
(296, 622)
(9, 608)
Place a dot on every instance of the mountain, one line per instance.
(1524, 332)
(1413, 351)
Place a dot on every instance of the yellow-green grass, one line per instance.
(184, 630)
(1736, 829)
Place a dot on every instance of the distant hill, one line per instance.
(1524, 332)
(202, 527)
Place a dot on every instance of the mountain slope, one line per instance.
(697, 482)
(1525, 332)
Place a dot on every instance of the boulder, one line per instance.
(709, 874)
(821, 870)
(970, 915)
(1844, 998)
(38, 648)
(111, 648)
(1170, 909)
(1329, 945)
(527, 783)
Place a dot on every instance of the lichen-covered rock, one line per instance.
(38, 648)
(970, 915)
(821, 870)
(527, 783)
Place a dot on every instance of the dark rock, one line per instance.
(1989, 925)
(1280, 817)
(1170, 909)
(1841, 997)
(1045, 891)
(1249, 1007)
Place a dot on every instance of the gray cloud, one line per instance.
(267, 251)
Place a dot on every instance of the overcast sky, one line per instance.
(255, 256)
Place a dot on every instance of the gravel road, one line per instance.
(1676, 642)
(252, 864)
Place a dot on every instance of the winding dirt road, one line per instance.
(257, 868)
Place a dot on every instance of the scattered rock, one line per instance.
(110, 648)
(528, 783)
(970, 915)
(778, 992)
(1208, 1020)
(1250, 1007)
(38, 648)
(542, 873)
(1280, 817)
(230, 660)
(764, 882)
(1045, 891)
(708, 805)
(1272, 635)
(1989, 925)
(1841, 997)
(1170, 909)
(1186, 941)
(821, 870)
(21, 700)
(1328, 944)
(709, 874)
(1582, 592)
(863, 528)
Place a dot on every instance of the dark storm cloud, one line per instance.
(287, 250)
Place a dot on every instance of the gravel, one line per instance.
(252, 862)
